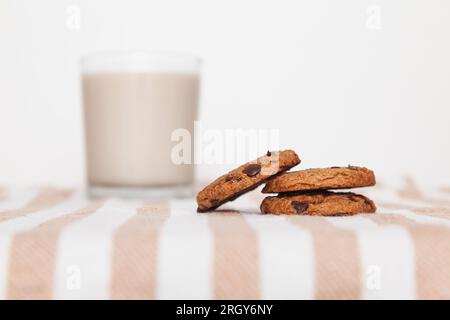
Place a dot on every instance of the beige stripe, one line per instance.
(437, 212)
(432, 247)
(3, 193)
(445, 189)
(33, 255)
(337, 260)
(410, 191)
(443, 213)
(135, 253)
(236, 260)
(46, 197)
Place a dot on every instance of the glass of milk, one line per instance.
(133, 103)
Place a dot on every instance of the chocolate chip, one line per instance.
(252, 170)
(352, 167)
(228, 178)
(335, 167)
(268, 153)
(299, 206)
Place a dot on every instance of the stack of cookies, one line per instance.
(300, 192)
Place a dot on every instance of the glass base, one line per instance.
(145, 193)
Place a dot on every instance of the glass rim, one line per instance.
(139, 60)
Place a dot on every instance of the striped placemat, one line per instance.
(57, 244)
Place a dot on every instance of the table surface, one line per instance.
(56, 243)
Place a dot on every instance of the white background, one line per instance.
(341, 87)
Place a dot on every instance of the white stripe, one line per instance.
(351, 222)
(444, 194)
(16, 199)
(282, 244)
(387, 258)
(391, 196)
(286, 258)
(417, 217)
(11, 227)
(185, 254)
(83, 264)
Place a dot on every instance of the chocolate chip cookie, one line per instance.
(318, 203)
(321, 179)
(245, 178)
